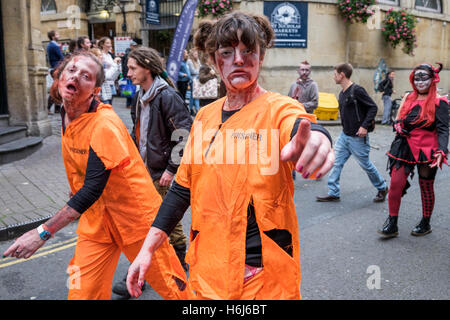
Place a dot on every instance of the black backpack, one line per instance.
(382, 86)
(352, 97)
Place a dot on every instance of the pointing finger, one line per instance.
(303, 134)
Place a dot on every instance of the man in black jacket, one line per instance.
(387, 87)
(357, 111)
(161, 126)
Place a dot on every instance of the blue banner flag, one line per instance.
(181, 38)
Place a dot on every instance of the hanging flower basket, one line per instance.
(354, 11)
(214, 7)
(400, 27)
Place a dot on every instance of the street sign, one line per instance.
(121, 44)
(289, 21)
(152, 12)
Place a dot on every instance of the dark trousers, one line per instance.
(182, 88)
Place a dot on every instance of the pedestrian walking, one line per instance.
(113, 195)
(110, 63)
(133, 45)
(184, 76)
(305, 89)
(55, 57)
(421, 140)
(160, 111)
(244, 228)
(387, 88)
(357, 111)
(193, 64)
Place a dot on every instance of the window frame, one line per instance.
(420, 8)
(53, 11)
(389, 2)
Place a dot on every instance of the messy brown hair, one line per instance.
(256, 31)
(149, 58)
(100, 77)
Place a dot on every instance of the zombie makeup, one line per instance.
(304, 71)
(238, 65)
(78, 80)
(422, 81)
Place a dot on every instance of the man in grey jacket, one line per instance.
(304, 89)
(160, 111)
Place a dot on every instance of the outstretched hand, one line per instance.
(311, 151)
(140, 265)
(25, 246)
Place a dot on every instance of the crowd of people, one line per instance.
(130, 194)
(102, 48)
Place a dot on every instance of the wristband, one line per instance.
(43, 232)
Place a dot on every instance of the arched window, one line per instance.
(48, 6)
(391, 2)
(429, 5)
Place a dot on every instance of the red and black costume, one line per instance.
(419, 138)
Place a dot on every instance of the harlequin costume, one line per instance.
(222, 191)
(119, 220)
(417, 141)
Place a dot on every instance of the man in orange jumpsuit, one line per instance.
(114, 197)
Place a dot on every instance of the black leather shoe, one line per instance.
(381, 195)
(120, 288)
(389, 229)
(422, 228)
(328, 198)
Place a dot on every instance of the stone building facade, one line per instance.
(25, 25)
(25, 67)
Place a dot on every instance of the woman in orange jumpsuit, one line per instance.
(236, 174)
(113, 194)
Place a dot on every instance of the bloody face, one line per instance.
(77, 82)
(422, 81)
(304, 71)
(238, 65)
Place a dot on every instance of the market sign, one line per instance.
(152, 12)
(289, 20)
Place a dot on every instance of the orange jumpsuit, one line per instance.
(120, 219)
(226, 166)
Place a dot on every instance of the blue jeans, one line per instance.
(387, 102)
(194, 104)
(360, 148)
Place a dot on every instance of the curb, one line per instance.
(15, 230)
(329, 123)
